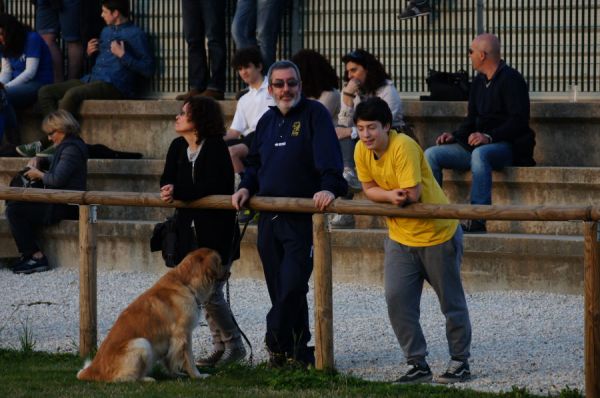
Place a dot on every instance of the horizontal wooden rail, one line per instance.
(305, 205)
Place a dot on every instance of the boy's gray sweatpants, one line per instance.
(405, 270)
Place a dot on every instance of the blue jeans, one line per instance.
(205, 19)
(481, 162)
(257, 23)
(20, 96)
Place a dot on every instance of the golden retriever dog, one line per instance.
(158, 325)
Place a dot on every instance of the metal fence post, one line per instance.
(591, 310)
(480, 24)
(323, 282)
(296, 31)
(88, 312)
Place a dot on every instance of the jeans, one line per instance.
(257, 23)
(205, 19)
(481, 162)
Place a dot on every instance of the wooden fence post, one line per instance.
(323, 282)
(592, 310)
(88, 313)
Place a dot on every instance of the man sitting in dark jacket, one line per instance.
(495, 133)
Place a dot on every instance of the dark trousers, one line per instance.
(285, 249)
(24, 218)
(205, 19)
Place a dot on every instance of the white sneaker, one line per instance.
(341, 221)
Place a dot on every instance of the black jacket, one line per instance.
(213, 175)
(500, 108)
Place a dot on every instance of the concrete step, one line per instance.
(564, 130)
(491, 262)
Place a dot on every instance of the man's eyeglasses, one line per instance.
(282, 83)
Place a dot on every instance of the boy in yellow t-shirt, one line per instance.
(393, 169)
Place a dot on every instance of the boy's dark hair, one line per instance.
(316, 73)
(373, 109)
(246, 56)
(207, 116)
(121, 5)
(15, 36)
(376, 74)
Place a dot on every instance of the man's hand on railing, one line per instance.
(323, 199)
(240, 198)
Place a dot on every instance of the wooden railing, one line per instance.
(322, 252)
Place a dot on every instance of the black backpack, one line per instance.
(173, 240)
(447, 86)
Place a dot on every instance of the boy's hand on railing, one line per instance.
(239, 198)
(166, 193)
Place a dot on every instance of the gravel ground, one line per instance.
(524, 339)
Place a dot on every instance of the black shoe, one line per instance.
(415, 8)
(473, 226)
(417, 373)
(32, 265)
(277, 359)
(458, 371)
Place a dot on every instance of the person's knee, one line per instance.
(479, 161)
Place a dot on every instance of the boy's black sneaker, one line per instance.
(473, 226)
(415, 8)
(417, 373)
(457, 371)
(32, 265)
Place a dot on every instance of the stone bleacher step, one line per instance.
(492, 261)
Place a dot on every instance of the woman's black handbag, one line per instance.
(20, 181)
(173, 240)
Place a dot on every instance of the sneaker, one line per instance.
(214, 94)
(417, 373)
(354, 185)
(46, 153)
(232, 355)
(29, 150)
(32, 265)
(342, 221)
(415, 8)
(458, 371)
(473, 226)
(277, 359)
(211, 360)
(184, 96)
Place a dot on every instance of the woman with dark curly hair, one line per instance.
(365, 77)
(198, 165)
(319, 80)
(26, 66)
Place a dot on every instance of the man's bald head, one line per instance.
(490, 44)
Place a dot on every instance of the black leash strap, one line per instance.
(235, 244)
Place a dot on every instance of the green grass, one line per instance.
(36, 374)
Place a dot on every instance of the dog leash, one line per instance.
(235, 244)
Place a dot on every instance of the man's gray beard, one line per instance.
(294, 103)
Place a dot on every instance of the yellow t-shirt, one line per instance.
(403, 165)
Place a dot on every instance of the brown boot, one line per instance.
(184, 96)
(214, 94)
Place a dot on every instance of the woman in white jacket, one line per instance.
(26, 66)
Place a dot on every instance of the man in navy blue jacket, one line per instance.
(495, 133)
(295, 153)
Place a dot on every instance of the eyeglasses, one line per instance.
(282, 83)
